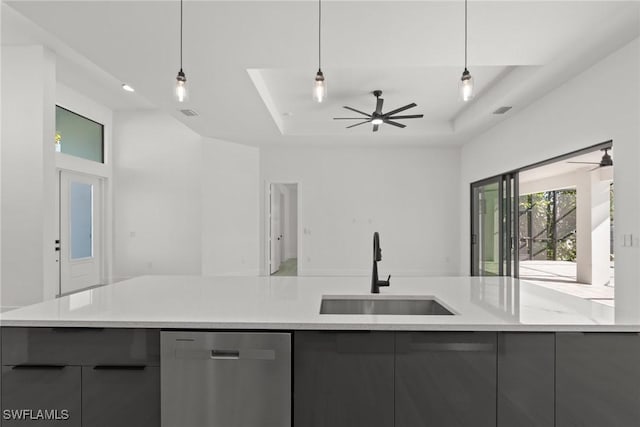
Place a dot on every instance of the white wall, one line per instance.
(229, 208)
(28, 174)
(157, 195)
(409, 195)
(600, 104)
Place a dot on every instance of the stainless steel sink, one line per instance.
(408, 306)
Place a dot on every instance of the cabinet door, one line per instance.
(343, 379)
(121, 396)
(526, 364)
(41, 395)
(445, 379)
(597, 379)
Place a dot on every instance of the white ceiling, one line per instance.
(250, 65)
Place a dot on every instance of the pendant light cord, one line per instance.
(319, 34)
(465, 34)
(180, 35)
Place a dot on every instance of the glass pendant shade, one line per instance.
(319, 87)
(466, 86)
(181, 87)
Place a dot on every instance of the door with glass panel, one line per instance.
(80, 231)
(494, 211)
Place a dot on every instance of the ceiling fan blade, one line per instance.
(400, 125)
(348, 118)
(358, 124)
(397, 110)
(585, 163)
(597, 167)
(356, 111)
(414, 116)
(379, 102)
(375, 128)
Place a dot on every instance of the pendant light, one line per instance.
(466, 81)
(181, 79)
(319, 86)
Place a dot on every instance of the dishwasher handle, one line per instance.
(225, 354)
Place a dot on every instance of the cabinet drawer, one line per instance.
(121, 396)
(80, 346)
(41, 396)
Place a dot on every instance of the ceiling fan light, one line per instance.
(377, 121)
(181, 86)
(319, 87)
(466, 86)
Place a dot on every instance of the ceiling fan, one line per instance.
(604, 162)
(378, 117)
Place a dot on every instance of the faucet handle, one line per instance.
(384, 282)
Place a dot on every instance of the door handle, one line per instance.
(225, 354)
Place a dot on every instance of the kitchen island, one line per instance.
(478, 303)
(510, 354)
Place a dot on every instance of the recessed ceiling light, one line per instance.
(127, 88)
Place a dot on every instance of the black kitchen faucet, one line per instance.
(377, 256)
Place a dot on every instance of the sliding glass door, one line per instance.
(494, 214)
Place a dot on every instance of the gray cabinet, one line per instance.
(115, 395)
(55, 369)
(39, 395)
(343, 379)
(597, 379)
(445, 379)
(526, 385)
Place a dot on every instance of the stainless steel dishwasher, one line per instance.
(225, 379)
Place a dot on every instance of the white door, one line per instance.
(274, 233)
(80, 231)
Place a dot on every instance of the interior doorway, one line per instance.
(283, 229)
(79, 244)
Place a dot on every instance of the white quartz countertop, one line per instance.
(286, 303)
